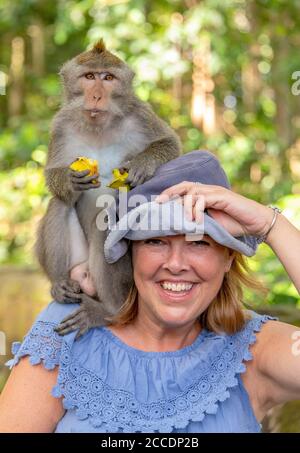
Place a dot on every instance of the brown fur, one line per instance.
(92, 56)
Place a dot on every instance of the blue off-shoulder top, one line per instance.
(109, 386)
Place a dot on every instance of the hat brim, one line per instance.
(153, 219)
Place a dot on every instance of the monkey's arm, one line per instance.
(59, 184)
(164, 145)
(63, 182)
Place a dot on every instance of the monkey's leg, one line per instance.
(112, 281)
(84, 318)
(68, 289)
(58, 233)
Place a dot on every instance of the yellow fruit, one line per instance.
(119, 180)
(84, 163)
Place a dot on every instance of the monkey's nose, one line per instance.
(97, 98)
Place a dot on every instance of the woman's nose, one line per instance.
(175, 261)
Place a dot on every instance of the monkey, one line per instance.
(100, 118)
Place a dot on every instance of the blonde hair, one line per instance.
(227, 311)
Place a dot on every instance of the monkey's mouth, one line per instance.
(95, 112)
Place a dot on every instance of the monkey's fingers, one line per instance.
(125, 165)
(84, 179)
(69, 319)
(71, 288)
(80, 187)
(64, 297)
(79, 174)
(71, 298)
(71, 285)
(76, 320)
(133, 177)
(82, 331)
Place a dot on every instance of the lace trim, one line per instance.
(110, 409)
(42, 344)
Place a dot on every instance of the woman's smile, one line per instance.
(178, 291)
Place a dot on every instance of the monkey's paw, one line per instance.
(139, 169)
(90, 314)
(82, 180)
(66, 291)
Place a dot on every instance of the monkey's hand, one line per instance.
(139, 169)
(81, 181)
(66, 291)
(91, 313)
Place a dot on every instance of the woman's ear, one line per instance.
(229, 259)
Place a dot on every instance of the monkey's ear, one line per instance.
(66, 70)
(131, 75)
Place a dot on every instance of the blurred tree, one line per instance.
(220, 72)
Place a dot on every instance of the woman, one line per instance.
(182, 355)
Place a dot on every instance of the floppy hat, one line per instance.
(151, 219)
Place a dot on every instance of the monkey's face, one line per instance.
(97, 89)
(177, 279)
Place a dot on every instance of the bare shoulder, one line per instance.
(274, 339)
(272, 377)
(29, 388)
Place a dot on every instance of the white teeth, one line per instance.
(176, 287)
(94, 114)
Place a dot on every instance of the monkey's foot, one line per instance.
(90, 314)
(66, 291)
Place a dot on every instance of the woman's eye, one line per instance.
(153, 241)
(90, 76)
(200, 242)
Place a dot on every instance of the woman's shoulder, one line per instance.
(272, 334)
(41, 343)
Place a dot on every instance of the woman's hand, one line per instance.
(237, 214)
(240, 215)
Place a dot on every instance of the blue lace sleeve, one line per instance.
(42, 343)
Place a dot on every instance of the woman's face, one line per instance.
(177, 279)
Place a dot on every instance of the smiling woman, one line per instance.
(216, 273)
(183, 354)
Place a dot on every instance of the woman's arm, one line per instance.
(26, 404)
(277, 354)
(277, 357)
(284, 239)
(241, 215)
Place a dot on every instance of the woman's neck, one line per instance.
(152, 337)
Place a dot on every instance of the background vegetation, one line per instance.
(221, 72)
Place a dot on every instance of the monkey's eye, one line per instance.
(90, 76)
(107, 76)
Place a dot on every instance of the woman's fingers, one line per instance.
(230, 224)
(176, 190)
(238, 214)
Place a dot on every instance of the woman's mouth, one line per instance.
(176, 290)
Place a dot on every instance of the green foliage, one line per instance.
(158, 39)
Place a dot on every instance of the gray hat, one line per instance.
(151, 219)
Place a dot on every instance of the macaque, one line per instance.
(101, 118)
